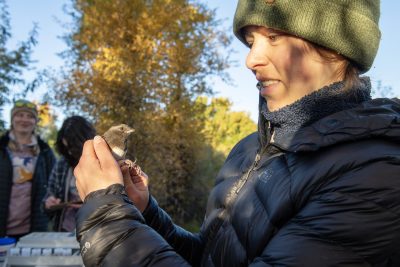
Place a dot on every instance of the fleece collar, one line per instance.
(317, 105)
(328, 116)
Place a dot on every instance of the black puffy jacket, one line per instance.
(329, 197)
(43, 167)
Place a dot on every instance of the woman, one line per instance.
(62, 199)
(317, 185)
(25, 165)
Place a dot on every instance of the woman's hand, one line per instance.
(136, 186)
(51, 201)
(97, 169)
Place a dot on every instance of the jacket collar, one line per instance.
(6, 138)
(342, 116)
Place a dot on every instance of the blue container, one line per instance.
(5, 244)
(6, 241)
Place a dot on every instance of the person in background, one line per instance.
(317, 185)
(26, 162)
(62, 200)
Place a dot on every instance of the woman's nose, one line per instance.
(257, 57)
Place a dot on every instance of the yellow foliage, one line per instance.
(46, 116)
(108, 64)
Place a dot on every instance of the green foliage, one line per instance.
(223, 128)
(143, 63)
(47, 128)
(14, 62)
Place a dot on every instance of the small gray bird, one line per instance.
(117, 139)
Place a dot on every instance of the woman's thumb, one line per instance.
(103, 152)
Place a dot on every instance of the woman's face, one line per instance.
(23, 122)
(286, 67)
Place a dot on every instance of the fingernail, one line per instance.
(97, 139)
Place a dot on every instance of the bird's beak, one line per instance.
(130, 131)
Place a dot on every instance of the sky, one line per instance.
(49, 15)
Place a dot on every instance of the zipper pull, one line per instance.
(256, 160)
(243, 180)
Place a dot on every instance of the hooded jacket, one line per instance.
(43, 167)
(327, 194)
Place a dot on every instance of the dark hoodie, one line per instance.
(323, 191)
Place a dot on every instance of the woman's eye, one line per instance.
(273, 37)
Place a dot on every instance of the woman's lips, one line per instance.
(268, 87)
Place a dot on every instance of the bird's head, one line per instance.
(122, 130)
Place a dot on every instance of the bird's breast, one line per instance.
(118, 153)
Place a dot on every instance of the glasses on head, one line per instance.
(24, 104)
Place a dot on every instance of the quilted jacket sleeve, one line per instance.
(350, 220)
(187, 244)
(112, 232)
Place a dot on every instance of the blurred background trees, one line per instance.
(144, 63)
(47, 127)
(12, 62)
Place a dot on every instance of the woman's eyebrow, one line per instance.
(248, 33)
(271, 30)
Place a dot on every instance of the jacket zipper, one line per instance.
(244, 178)
(242, 181)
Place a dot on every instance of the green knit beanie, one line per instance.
(349, 27)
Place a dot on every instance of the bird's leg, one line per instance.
(134, 169)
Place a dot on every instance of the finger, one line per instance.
(88, 149)
(103, 152)
(81, 193)
(124, 169)
(135, 170)
(78, 184)
(126, 175)
(142, 178)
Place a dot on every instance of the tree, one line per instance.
(222, 129)
(12, 62)
(46, 127)
(143, 63)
